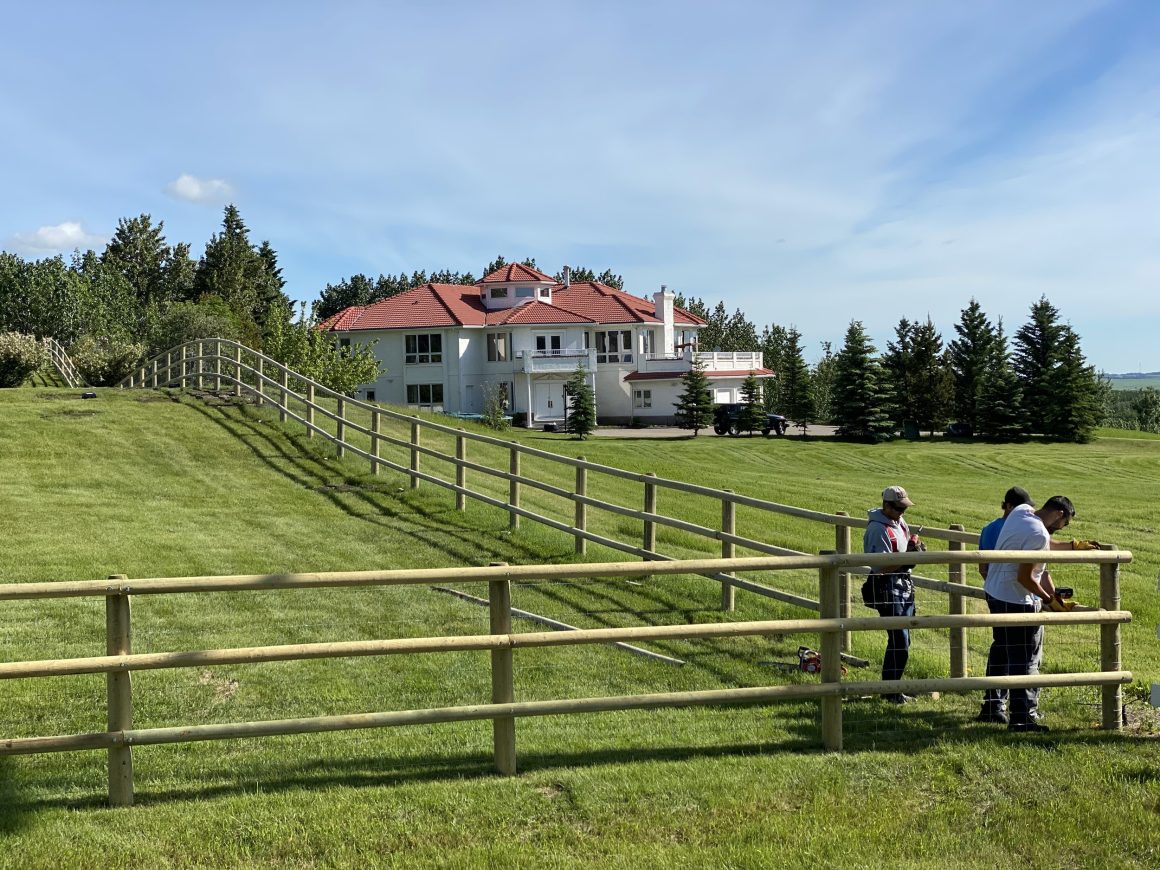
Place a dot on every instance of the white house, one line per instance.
(440, 345)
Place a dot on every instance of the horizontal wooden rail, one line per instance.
(655, 701)
(468, 643)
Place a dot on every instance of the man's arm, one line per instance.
(880, 543)
(1027, 581)
(983, 566)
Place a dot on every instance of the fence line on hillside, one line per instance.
(120, 662)
(63, 363)
(223, 361)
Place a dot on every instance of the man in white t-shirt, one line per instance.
(1022, 588)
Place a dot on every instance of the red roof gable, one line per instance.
(434, 305)
(514, 272)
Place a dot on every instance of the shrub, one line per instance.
(495, 406)
(20, 356)
(188, 321)
(105, 361)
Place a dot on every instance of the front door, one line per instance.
(548, 399)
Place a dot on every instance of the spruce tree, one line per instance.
(822, 384)
(931, 381)
(1000, 414)
(1036, 357)
(1075, 400)
(859, 401)
(138, 252)
(582, 411)
(231, 269)
(970, 356)
(796, 390)
(751, 414)
(898, 375)
(773, 347)
(694, 406)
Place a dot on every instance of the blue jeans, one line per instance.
(896, 600)
(1015, 651)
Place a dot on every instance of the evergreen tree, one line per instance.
(694, 406)
(1074, 393)
(582, 411)
(773, 346)
(231, 269)
(338, 297)
(794, 376)
(1037, 355)
(711, 336)
(739, 333)
(138, 252)
(932, 384)
(271, 285)
(970, 356)
(1000, 415)
(898, 376)
(822, 383)
(859, 399)
(751, 414)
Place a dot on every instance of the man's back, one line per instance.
(1022, 530)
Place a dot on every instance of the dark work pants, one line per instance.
(897, 600)
(1015, 651)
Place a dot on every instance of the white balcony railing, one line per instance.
(565, 360)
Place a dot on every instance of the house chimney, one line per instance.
(663, 311)
(567, 277)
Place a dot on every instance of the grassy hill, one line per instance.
(148, 485)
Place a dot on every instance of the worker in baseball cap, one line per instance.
(889, 589)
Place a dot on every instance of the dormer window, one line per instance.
(499, 292)
(525, 292)
(545, 293)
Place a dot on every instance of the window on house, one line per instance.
(614, 346)
(343, 343)
(648, 341)
(525, 292)
(545, 292)
(429, 397)
(722, 397)
(549, 345)
(423, 348)
(498, 346)
(370, 395)
(499, 292)
(642, 398)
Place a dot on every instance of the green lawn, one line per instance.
(146, 485)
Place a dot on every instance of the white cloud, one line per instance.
(207, 191)
(63, 237)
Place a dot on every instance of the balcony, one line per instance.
(743, 360)
(556, 361)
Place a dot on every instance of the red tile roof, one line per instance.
(709, 373)
(434, 305)
(513, 272)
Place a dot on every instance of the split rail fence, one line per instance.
(119, 661)
(217, 363)
(63, 363)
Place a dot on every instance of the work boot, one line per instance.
(995, 715)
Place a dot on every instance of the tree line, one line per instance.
(1037, 383)
(141, 296)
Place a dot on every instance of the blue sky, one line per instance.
(809, 163)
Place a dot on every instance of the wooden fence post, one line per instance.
(842, 546)
(238, 375)
(1113, 696)
(340, 429)
(309, 409)
(514, 487)
(181, 367)
(154, 374)
(416, 435)
(650, 507)
(502, 675)
(258, 381)
(217, 366)
(956, 607)
(728, 549)
(285, 388)
(169, 367)
(376, 429)
(200, 365)
(828, 597)
(460, 470)
(580, 519)
(119, 690)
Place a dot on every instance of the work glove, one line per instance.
(1058, 605)
(1086, 545)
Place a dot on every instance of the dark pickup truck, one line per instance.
(725, 419)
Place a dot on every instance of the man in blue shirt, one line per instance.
(1015, 496)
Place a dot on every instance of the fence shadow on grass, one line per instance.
(311, 471)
